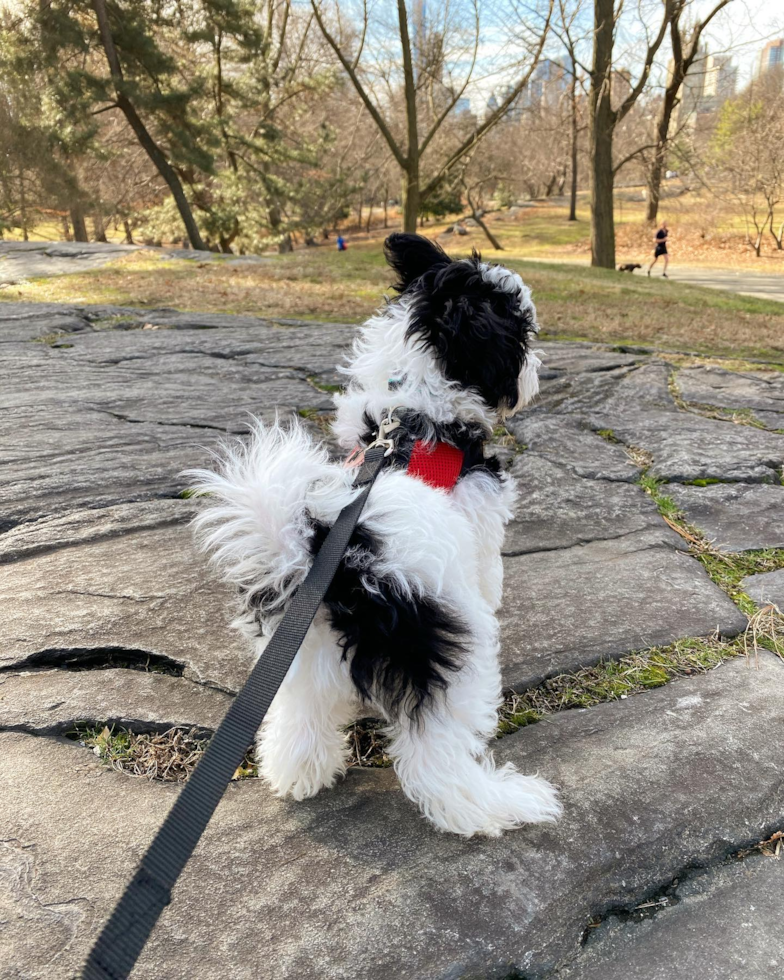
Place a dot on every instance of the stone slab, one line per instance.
(25, 260)
(93, 524)
(564, 394)
(726, 925)
(582, 358)
(574, 447)
(685, 446)
(646, 389)
(766, 587)
(566, 609)
(761, 391)
(353, 885)
(50, 702)
(556, 509)
(688, 447)
(116, 415)
(735, 516)
(147, 591)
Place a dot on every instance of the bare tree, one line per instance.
(745, 160)
(605, 118)
(428, 101)
(685, 49)
(567, 30)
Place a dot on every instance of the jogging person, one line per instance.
(660, 248)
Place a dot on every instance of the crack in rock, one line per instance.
(98, 658)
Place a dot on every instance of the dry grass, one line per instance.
(170, 756)
(574, 302)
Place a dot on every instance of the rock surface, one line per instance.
(98, 575)
(735, 516)
(725, 926)
(766, 587)
(355, 885)
(148, 592)
(570, 608)
(762, 392)
(29, 260)
(52, 702)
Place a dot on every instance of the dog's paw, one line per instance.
(299, 779)
(494, 801)
(525, 799)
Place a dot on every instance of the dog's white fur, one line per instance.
(445, 546)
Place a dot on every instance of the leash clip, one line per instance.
(387, 425)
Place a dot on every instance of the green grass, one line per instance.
(728, 570)
(614, 680)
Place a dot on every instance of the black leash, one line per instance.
(130, 924)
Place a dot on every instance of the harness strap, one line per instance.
(124, 935)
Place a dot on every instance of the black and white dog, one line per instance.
(408, 630)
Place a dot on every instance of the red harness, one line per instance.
(436, 464)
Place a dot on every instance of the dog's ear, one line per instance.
(411, 256)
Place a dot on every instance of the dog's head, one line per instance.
(476, 319)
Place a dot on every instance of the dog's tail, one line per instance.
(260, 504)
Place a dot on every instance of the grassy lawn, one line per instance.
(574, 301)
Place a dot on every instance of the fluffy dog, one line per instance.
(629, 267)
(408, 630)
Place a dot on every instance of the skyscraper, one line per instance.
(708, 84)
(771, 56)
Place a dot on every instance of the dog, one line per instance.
(408, 630)
(629, 267)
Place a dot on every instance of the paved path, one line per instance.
(96, 563)
(769, 285)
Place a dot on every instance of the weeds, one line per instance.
(614, 680)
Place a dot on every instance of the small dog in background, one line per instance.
(629, 267)
(408, 630)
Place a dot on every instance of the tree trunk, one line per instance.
(369, 217)
(412, 192)
(661, 136)
(78, 223)
(23, 206)
(411, 202)
(488, 234)
(285, 245)
(386, 206)
(141, 132)
(602, 126)
(128, 240)
(66, 228)
(574, 132)
(99, 230)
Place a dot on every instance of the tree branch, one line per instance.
(650, 54)
(494, 117)
(439, 122)
(360, 89)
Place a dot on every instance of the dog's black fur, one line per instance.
(401, 649)
(476, 330)
(629, 267)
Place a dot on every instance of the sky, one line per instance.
(740, 30)
(743, 28)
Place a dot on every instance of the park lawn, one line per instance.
(573, 301)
